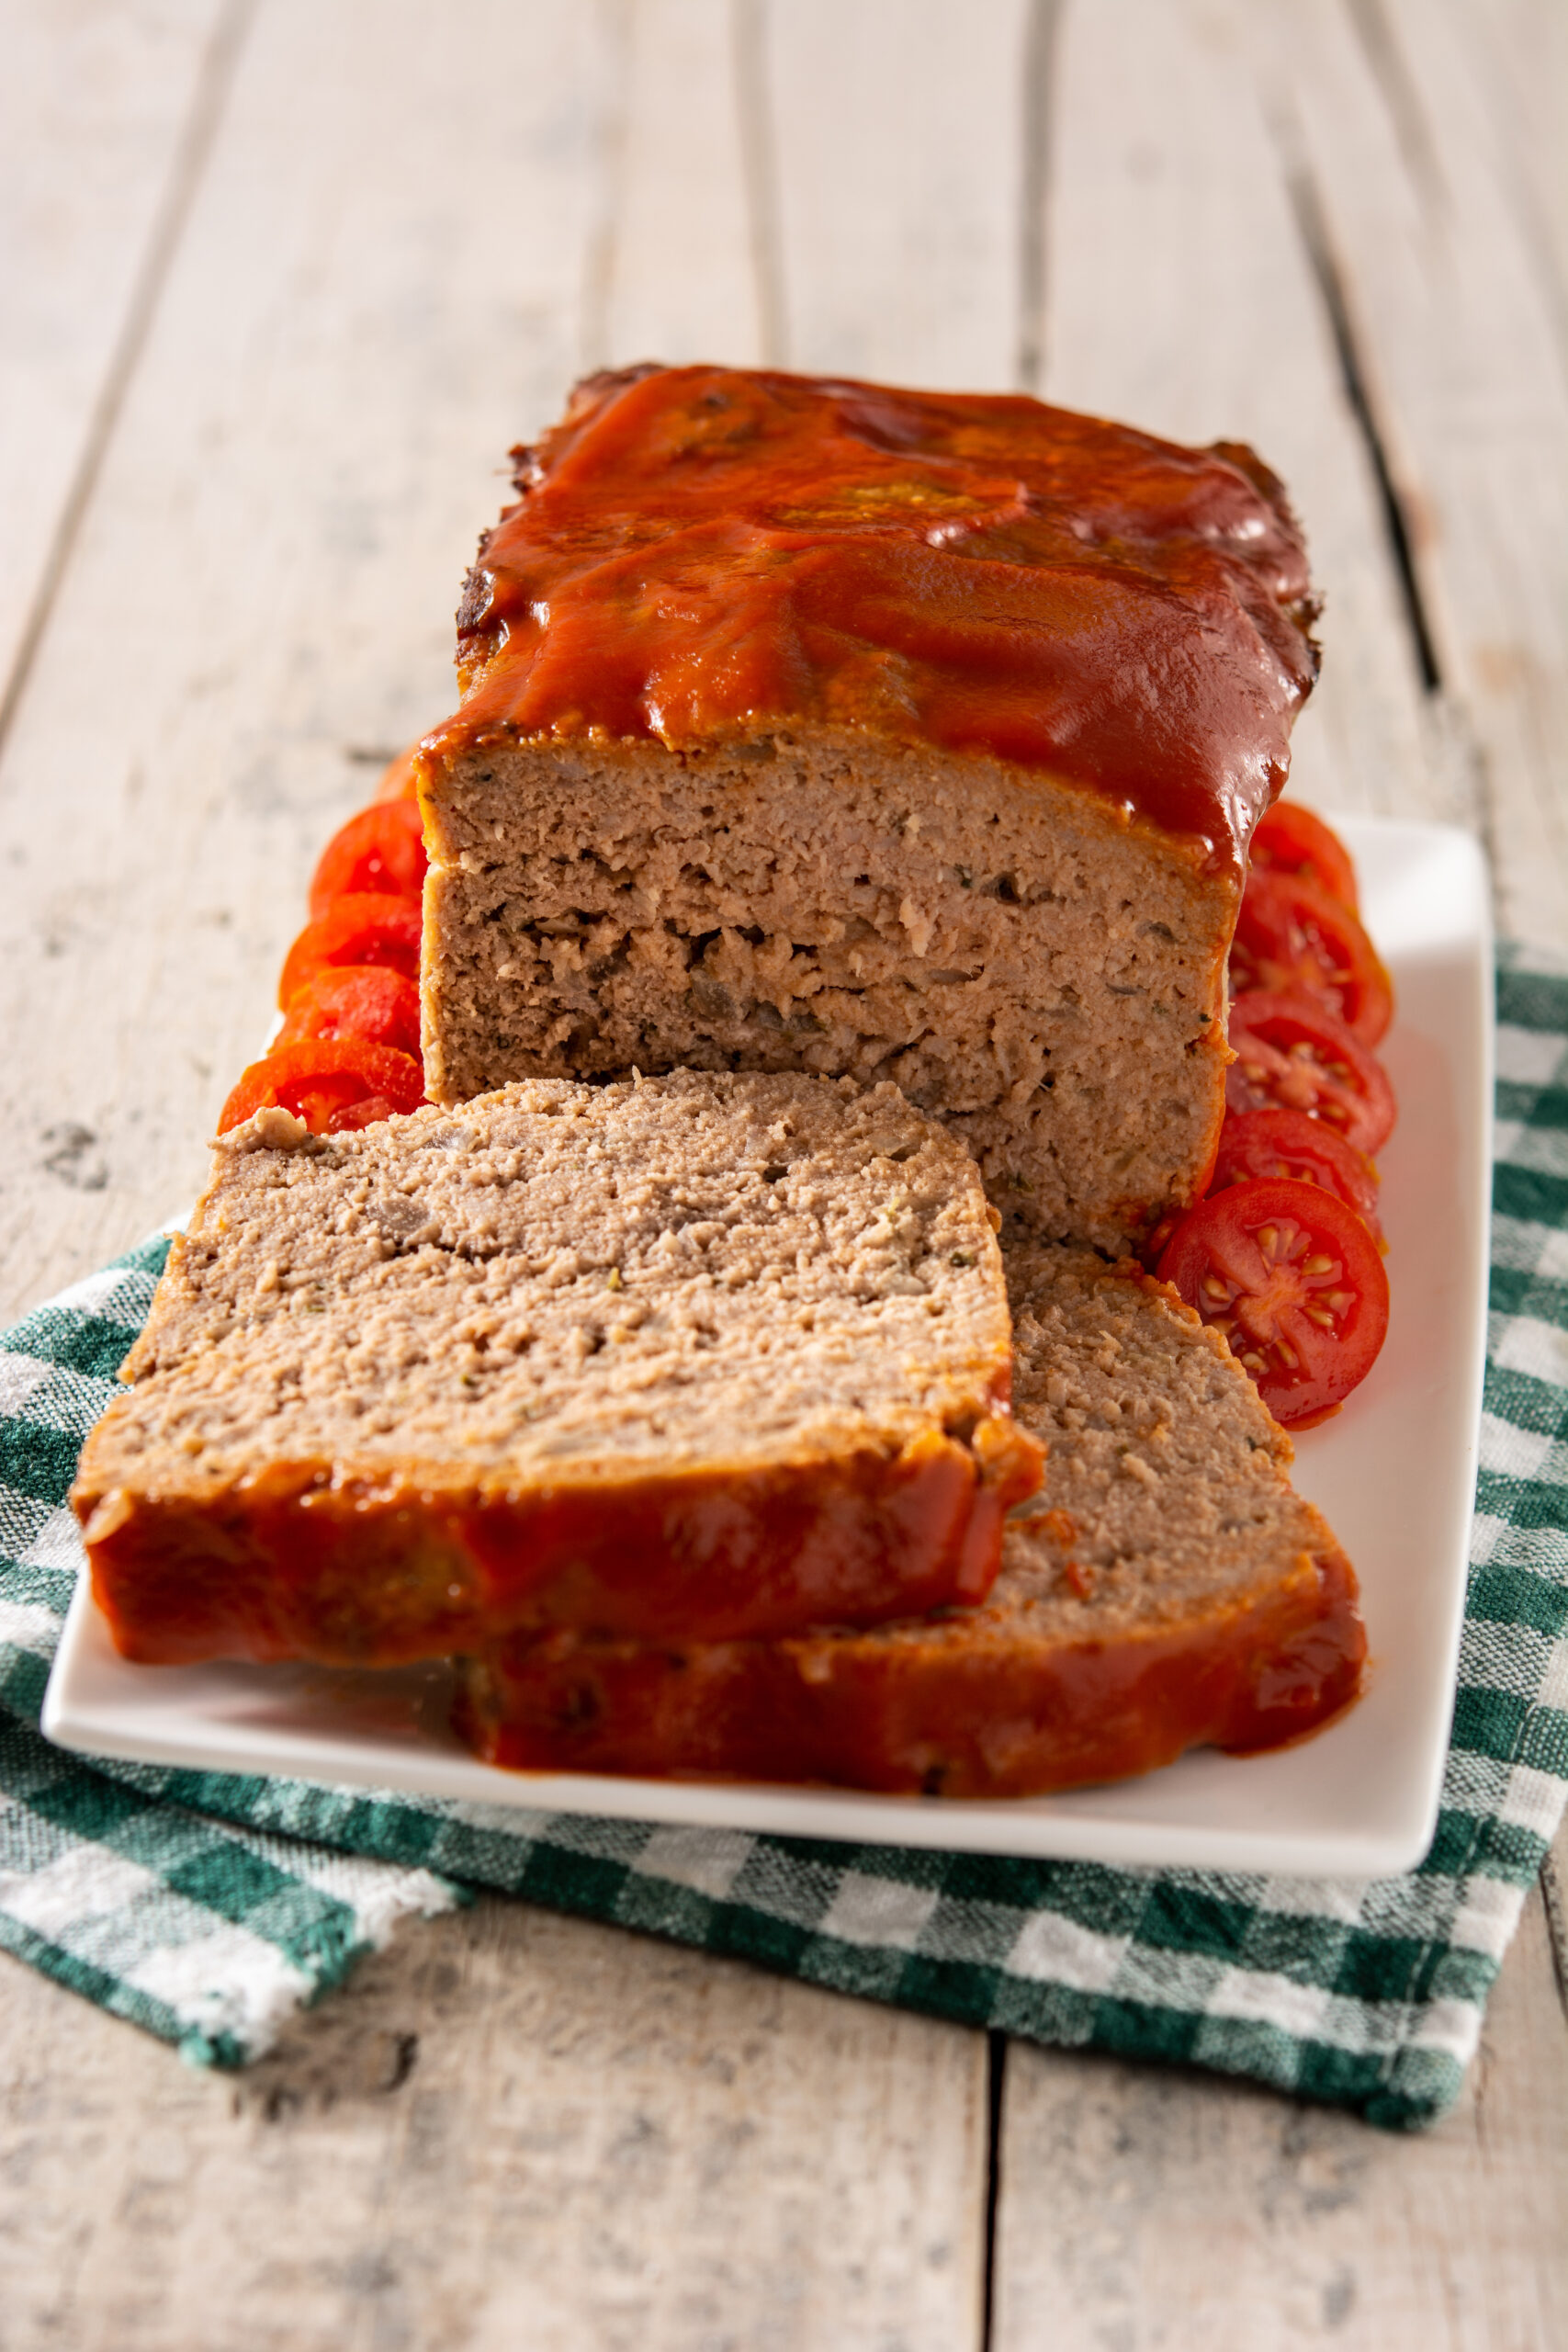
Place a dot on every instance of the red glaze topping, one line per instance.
(965, 1712)
(701, 553)
(350, 1567)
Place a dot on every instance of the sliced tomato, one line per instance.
(368, 1000)
(365, 927)
(1291, 1051)
(381, 849)
(1293, 1280)
(1291, 935)
(1288, 839)
(362, 1114)
(1282, 1142)
(323, 1080)
(1152, 1248)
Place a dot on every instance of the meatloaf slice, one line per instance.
(819, 726)
(721, 1355)
(1167, 1589)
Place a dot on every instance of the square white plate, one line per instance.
(1394, 1473)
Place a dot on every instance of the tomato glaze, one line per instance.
(699, 553)
(944, 1710)
(357, 1562)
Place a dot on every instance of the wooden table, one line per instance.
(291, 276)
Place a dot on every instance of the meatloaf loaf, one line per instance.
(718, 1355)
(814, 726)
(1167, 1589)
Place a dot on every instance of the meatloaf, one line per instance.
(814, 726)
(718, 1355)
(1166, 1588)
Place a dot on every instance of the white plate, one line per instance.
(1394, 1473)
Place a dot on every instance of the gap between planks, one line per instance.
(191, 153)
(1358, 399)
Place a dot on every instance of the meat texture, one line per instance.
(717, 1355)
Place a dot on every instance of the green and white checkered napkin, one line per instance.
(205, 1906)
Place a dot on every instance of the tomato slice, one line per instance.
(369, 1000)
(381, 849)
(1288, 839)
(365, 927)
(1291, 1051)
(1291, 935)
(1282, 1142)
(1293, 1280)
(321, 1079)
(362, 1114)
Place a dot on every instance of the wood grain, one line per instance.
(1521, 69)
(102, 125)
(1154, 2210)
(1458, 338)
(258, 606)
(675, 278)
(515, 2130)
(896, 130)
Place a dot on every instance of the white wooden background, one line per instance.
(282, 280)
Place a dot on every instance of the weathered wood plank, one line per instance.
(380, 287)
(513, 2130)
(95, 148)
(674, 277)
(1518, 53)
(1466, 376)
(1155, 2210)
(898, 131)
(1178, 294)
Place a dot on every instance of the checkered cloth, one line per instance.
(205, 1906)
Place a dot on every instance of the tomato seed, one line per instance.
(1319, 1265)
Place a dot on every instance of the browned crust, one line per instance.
(955, 1712)
(310, 1560)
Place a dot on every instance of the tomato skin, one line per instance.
(369, 1000)
(1291, 1051)
(1292, 1279)
(355, 1115)
(1288, 839)
(382, 848)
(365, 927)
(321, 1077)
(1282, 1142)
(395, 781)
(1292, 934)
